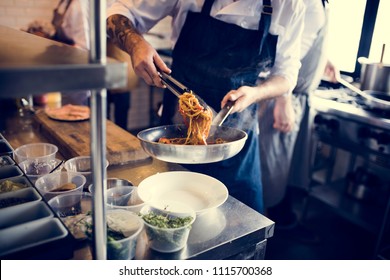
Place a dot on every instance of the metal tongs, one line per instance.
(178, 89)
(168, 79)
(171, 83)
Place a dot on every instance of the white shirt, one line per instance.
(287, 23)
(313, 47)
(76, 23)
(314, 21)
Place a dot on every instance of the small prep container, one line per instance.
(31, 235)
(10, 171)
(21, 182)
(23, 196)
(5, 148)
(6, 161)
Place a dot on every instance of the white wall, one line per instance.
(19, 13)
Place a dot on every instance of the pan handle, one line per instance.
(223, 114)
(375, 102)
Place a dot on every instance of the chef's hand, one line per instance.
(331, 73)
(243, 97)
(146, 62)
(145, 59)
(284, 114)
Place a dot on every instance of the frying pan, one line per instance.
(191, 154)
(374, 100)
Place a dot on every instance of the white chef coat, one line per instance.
(76, 22)
(287, 23)
(277, 148)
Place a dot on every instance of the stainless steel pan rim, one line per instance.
(191, 154)
(370, 99)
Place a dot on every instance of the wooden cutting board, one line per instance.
(73, 139)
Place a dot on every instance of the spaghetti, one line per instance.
(197, 119)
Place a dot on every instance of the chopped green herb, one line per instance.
(164, 221)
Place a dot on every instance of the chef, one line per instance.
(278, 140)
(219, 49)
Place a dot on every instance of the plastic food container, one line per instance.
(119, 195)
(51, 185)
(5, 161)
(14, 184)
(74, 209)
(35, 169)
(5, 148)
(39, 151)
(23, 196)
(125, 248)
(113, 182)
(117, 186)
(166, 239)
(81, 165)
(134, 203)
(32, 234)
(10, 171)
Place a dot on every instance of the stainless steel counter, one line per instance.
(232, 230)
(221, 233)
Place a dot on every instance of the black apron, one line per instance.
(211, 57)
(58, 20)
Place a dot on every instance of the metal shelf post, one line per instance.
(98, 130)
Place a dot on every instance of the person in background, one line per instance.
(285, 118)
(219, 49)
(71, 19)
(41, 28)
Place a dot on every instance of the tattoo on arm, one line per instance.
(122, 32)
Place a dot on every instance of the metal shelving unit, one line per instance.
(366, 215)
(31, 65)
(370, 215)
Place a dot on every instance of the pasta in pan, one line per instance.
(197, 119)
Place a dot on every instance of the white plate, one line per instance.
(69, 113)
(200, 192)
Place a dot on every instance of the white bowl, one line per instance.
(198, 191)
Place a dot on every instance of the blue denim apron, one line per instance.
(211, 57)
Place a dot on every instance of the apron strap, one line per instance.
(66, 7)
(206, 9)
(265, 22)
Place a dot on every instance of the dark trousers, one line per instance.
(122, 104)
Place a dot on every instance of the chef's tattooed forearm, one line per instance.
(121, 31)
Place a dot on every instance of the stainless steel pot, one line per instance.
(374, 76)
(191, 154)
